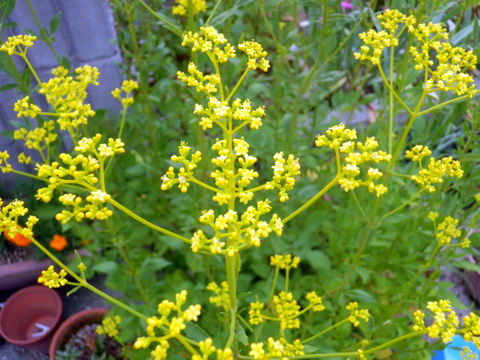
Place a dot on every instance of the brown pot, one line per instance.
(71, 325)
(21, 273)
(30, 317)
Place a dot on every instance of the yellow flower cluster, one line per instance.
(342, 141)
(185, 173)
(38, 138)
(284, 261)
(53, 279)
(67, 95)
(203, 83)
(436, 169)
(24, 107)
(171, 326)
(256, 55)
(276, 349)
(240, 232)
(445, 321)
(211, 42)
(471, 329)
(4, 156)
(198, 6)
(447, 230)
(222, 298)
(18, 44)
(284, 172)
(376, 41)
(220, 113)
(9, 216)
(207, 349)
(109, 326)
(468, 354)
(446, 71)
(286, 308)
(128, 86)
(92, 208)
(357, 314)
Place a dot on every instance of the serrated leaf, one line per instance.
(54, 22)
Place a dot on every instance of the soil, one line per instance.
(85, 342)
(12, 253)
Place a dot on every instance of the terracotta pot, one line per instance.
(21, 273)
(473, 281)
(71, 325)
(30, 316)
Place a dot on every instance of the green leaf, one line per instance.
(466, 265)
(195, 332)
(107, 267)
(458, 37)
(6, 7)
(54, 22)
(7, 87)
(360, 295)
(241, 335)
(73, 290)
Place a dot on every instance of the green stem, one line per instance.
(214, 10)
(146, 222)
(168, 24)
(409, 201)
(42, 31)
(312, 200)
(330, 328)
(84, 283)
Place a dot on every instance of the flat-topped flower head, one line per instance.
(18, 44)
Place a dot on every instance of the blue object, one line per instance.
(451, 352)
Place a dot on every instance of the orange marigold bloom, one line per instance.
(59, 242)
(18, 239)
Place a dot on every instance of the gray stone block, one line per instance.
(85, 35)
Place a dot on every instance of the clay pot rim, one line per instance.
(57, 302)
(59, 338)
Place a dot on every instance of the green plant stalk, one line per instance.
(85, 284)
(330, 328)
(313, 199)
(274, 284)
(146, 222)
(409, 201)
(212, 13)
(172, 27)
(42, 31)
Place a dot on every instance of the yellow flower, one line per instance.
(357, 314)
(52, 279)
(109, 326)
(198, 6)
(18, 44)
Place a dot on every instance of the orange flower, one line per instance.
(18, 239)
(59, 242)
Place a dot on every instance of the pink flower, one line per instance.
(346, 5)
